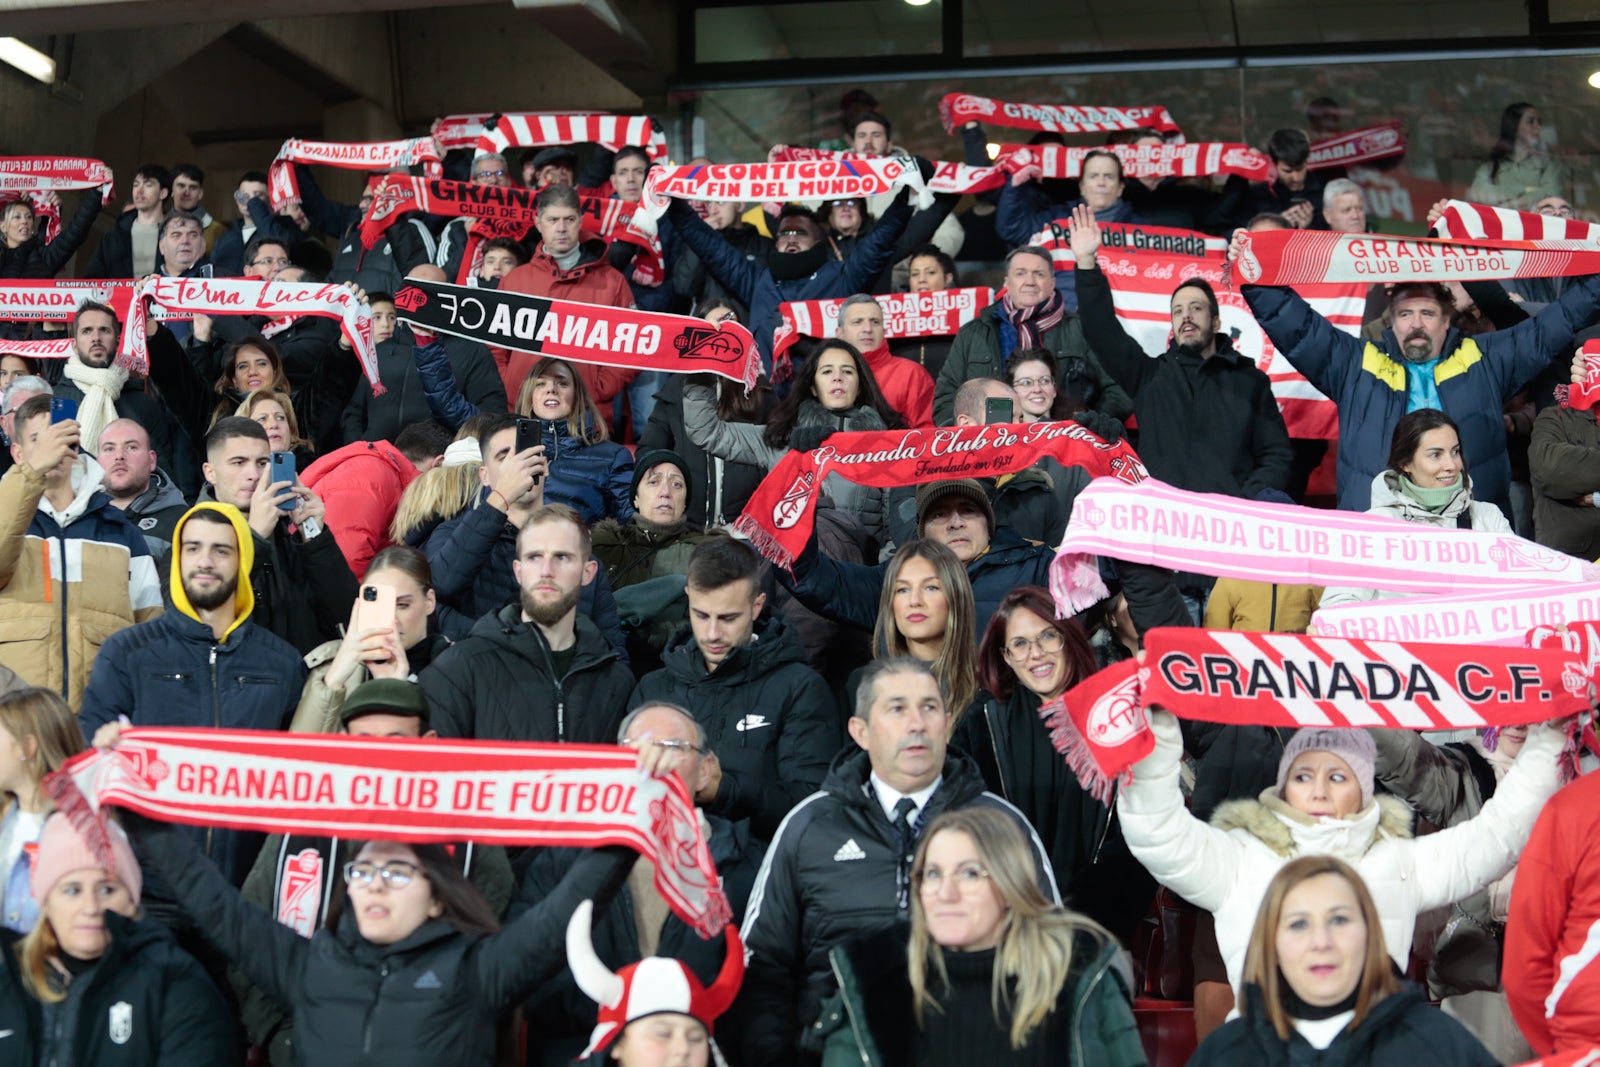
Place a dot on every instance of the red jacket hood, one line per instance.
(361, 452)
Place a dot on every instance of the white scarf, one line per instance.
(101, 386)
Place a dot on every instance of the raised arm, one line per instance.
(511, 963)
(1118, 353)
(272, 955)
(736, 442)
(53, 256)
(1518, 354)
(1324, 354)
(1453, 864)
(1193, 859)
(724, 262)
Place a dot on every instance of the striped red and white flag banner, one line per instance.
(1144, 264)
(535, 129)
(936, 314)
(1294, 681)
(500, 793)
(957, 109)
(463, 131)
(1207, 533)
(282, 185)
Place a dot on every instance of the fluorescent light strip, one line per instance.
(28, 59)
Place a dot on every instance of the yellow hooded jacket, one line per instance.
(244, 600)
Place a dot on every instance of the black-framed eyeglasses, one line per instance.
(281, 261)
(490, 174)
(396, 874)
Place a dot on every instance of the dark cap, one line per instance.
(386, 696)
(649, 459)
(555, 155)
(929, 493)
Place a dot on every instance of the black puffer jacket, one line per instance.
(1401, 1030)
(767, 715)
(34, 258)
(435, 997)
(471, 556)
(304, 589)
(833, 872)
(147, 1003)
(1098, 875)
(381, 418)
(499, 684)
(1208, 425)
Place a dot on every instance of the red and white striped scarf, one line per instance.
(1367, 145)
(940, 313)
(250, 296)
(365, 155)
(534, 129)
(426, 790)
(28, 174)
(1195, 160)
(1302, 257)
(957, 109)
(823, 179)
(1464, 221)
(1292, 681)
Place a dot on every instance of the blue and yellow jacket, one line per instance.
(1368, 381)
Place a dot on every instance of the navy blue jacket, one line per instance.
(754, 285)
(172, 671)
(1367, 382)
(227, 254)
(471, 557)
(1024, 210)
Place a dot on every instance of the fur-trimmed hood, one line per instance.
(1288, 832)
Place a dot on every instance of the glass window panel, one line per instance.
(837, 29)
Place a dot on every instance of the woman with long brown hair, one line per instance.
(994, 973)
(834, 390)
(1026, 659)
(588, 471)
(1319, 985)
(926, 612)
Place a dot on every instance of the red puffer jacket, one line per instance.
(361, 485)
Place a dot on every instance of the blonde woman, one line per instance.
(273, 409)
(93, 983)
(588, 471)
(1320, 988)
(994, 972)
(38, 733)
(444, 491)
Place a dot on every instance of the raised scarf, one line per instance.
(1290, 680)
(535, 129)
(587, 333)
(940, 313)
(1206, 533)
(1472, 618)
(824, 179)
(1032, 323)
(1366, 145)
(1147, 161)
(1301, 257)
(251, 296)
(497, 793)
(27, 174)
(101, 387)
(283, 186)
(778, 519)
(958, 109)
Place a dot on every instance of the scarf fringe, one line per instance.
(764, 541)
(1079, 756)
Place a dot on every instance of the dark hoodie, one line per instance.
(156, 511)
(769, 717)
(174, 671)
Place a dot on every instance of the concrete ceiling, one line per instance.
(20, 17)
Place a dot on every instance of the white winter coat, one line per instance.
(1225, 867)
(1388, 500)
